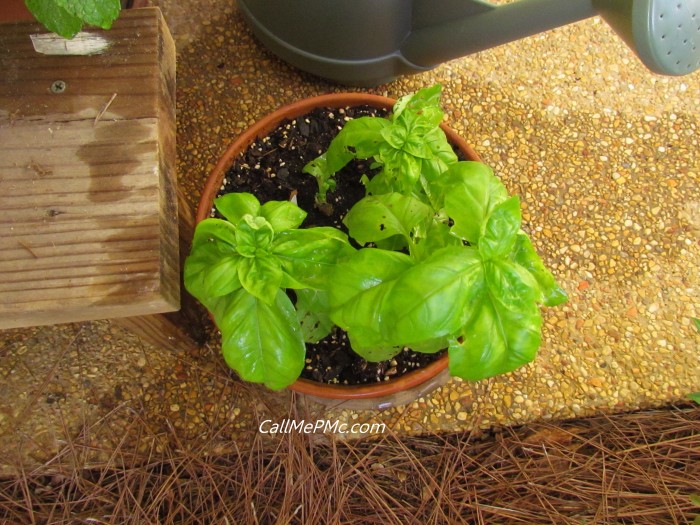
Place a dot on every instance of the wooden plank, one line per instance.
(88, 189)
(101, 253)
(161, 330)
(129, 67)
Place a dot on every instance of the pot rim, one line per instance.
(259, 130)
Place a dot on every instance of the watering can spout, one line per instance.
(664, 34)
(491, 26)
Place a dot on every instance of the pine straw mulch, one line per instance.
(639, 468)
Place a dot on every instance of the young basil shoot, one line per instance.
(409, 147)
(239, 268)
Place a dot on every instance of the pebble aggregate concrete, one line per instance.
(605, 158)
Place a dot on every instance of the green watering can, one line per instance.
(370, 42)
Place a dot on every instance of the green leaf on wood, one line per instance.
(66, 17)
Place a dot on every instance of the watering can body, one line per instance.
(370, 42)
(349, 41)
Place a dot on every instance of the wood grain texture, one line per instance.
(88, 190)
(160, 330)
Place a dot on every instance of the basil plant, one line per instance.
(240, 267)
(446, 263)
(443, 263)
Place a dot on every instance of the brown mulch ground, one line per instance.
(629, 469)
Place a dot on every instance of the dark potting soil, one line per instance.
(271, 169)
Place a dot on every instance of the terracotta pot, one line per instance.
(380, 395)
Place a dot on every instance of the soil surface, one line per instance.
(271, 169)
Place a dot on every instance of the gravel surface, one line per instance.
(604, 156)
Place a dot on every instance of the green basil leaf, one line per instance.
(55, 17)
(282, 215)
(211, 268)
(386, 300)
(352, 278)
(370, 346)
(433, 167)
(420, 122)
(424, 190)
(695, 396)
(364, 270)
(261, 276)
(524, 254)
(234, 206)
(430, 346)
(400, 105)
(254, 236)
(356, 298)
(309, 255)
(431, 299)
(360, 317)
(379, 184)
(261, 341)
(395, 136)
(319, 169)
(511, 284)
(436, 140)
(369, 309)
(401, 171)
(471, 191)
(215, 231)
(197, 269)
(428, 97)
(389, 159)
(394, 244)
(313, 314)
(409, 171)
(496, 340)
(503, 332)
(430, 237)
(417, 147)
(378, 217)
(431, 116)
(432, 170)
(221, 278)
(500, 229)
(359, 138)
